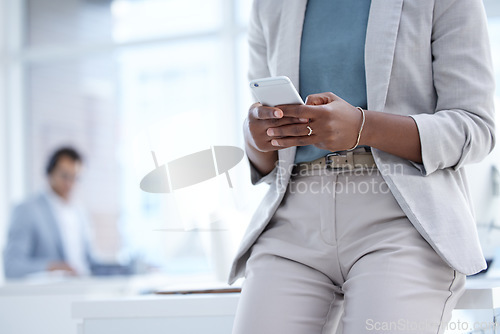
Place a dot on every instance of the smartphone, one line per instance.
(275, 91)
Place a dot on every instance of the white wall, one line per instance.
(492, 7)
(3, 134)
(12, 184)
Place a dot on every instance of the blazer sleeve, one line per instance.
(258, 68)
(462, 129)
(257, 45)
(17, 253)
(256, 177)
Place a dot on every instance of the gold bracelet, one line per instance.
(360, 129)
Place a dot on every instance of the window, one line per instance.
(120, 79)
(483, 177)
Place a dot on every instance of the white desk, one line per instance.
(478, 309)
(31, 305)
(176, 314)
(214, 313)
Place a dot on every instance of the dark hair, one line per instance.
(62, 152)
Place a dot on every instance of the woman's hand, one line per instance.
(258, 146)
(335, 124)
(261, 118)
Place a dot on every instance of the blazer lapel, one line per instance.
(288, 62)
(288, 42)
(381, 34)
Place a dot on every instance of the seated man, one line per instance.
(48, 231)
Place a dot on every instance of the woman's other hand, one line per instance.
(262, 118)
(259, 149)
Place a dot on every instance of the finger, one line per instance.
(321, 98)
(293, 141)
(259, 111)
(270, 123)
(297, 111)
(293, 130)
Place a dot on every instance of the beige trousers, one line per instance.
(340, 256)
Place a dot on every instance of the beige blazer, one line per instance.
(429, 59)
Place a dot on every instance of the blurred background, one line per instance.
(118, 79)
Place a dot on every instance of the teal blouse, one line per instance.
(332, 55)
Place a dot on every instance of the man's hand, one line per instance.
(61, 266)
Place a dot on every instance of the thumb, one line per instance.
(321, 98)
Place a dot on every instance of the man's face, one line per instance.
(63, 177)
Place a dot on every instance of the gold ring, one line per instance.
(310, 130)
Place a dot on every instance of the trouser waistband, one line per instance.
(344, 160)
